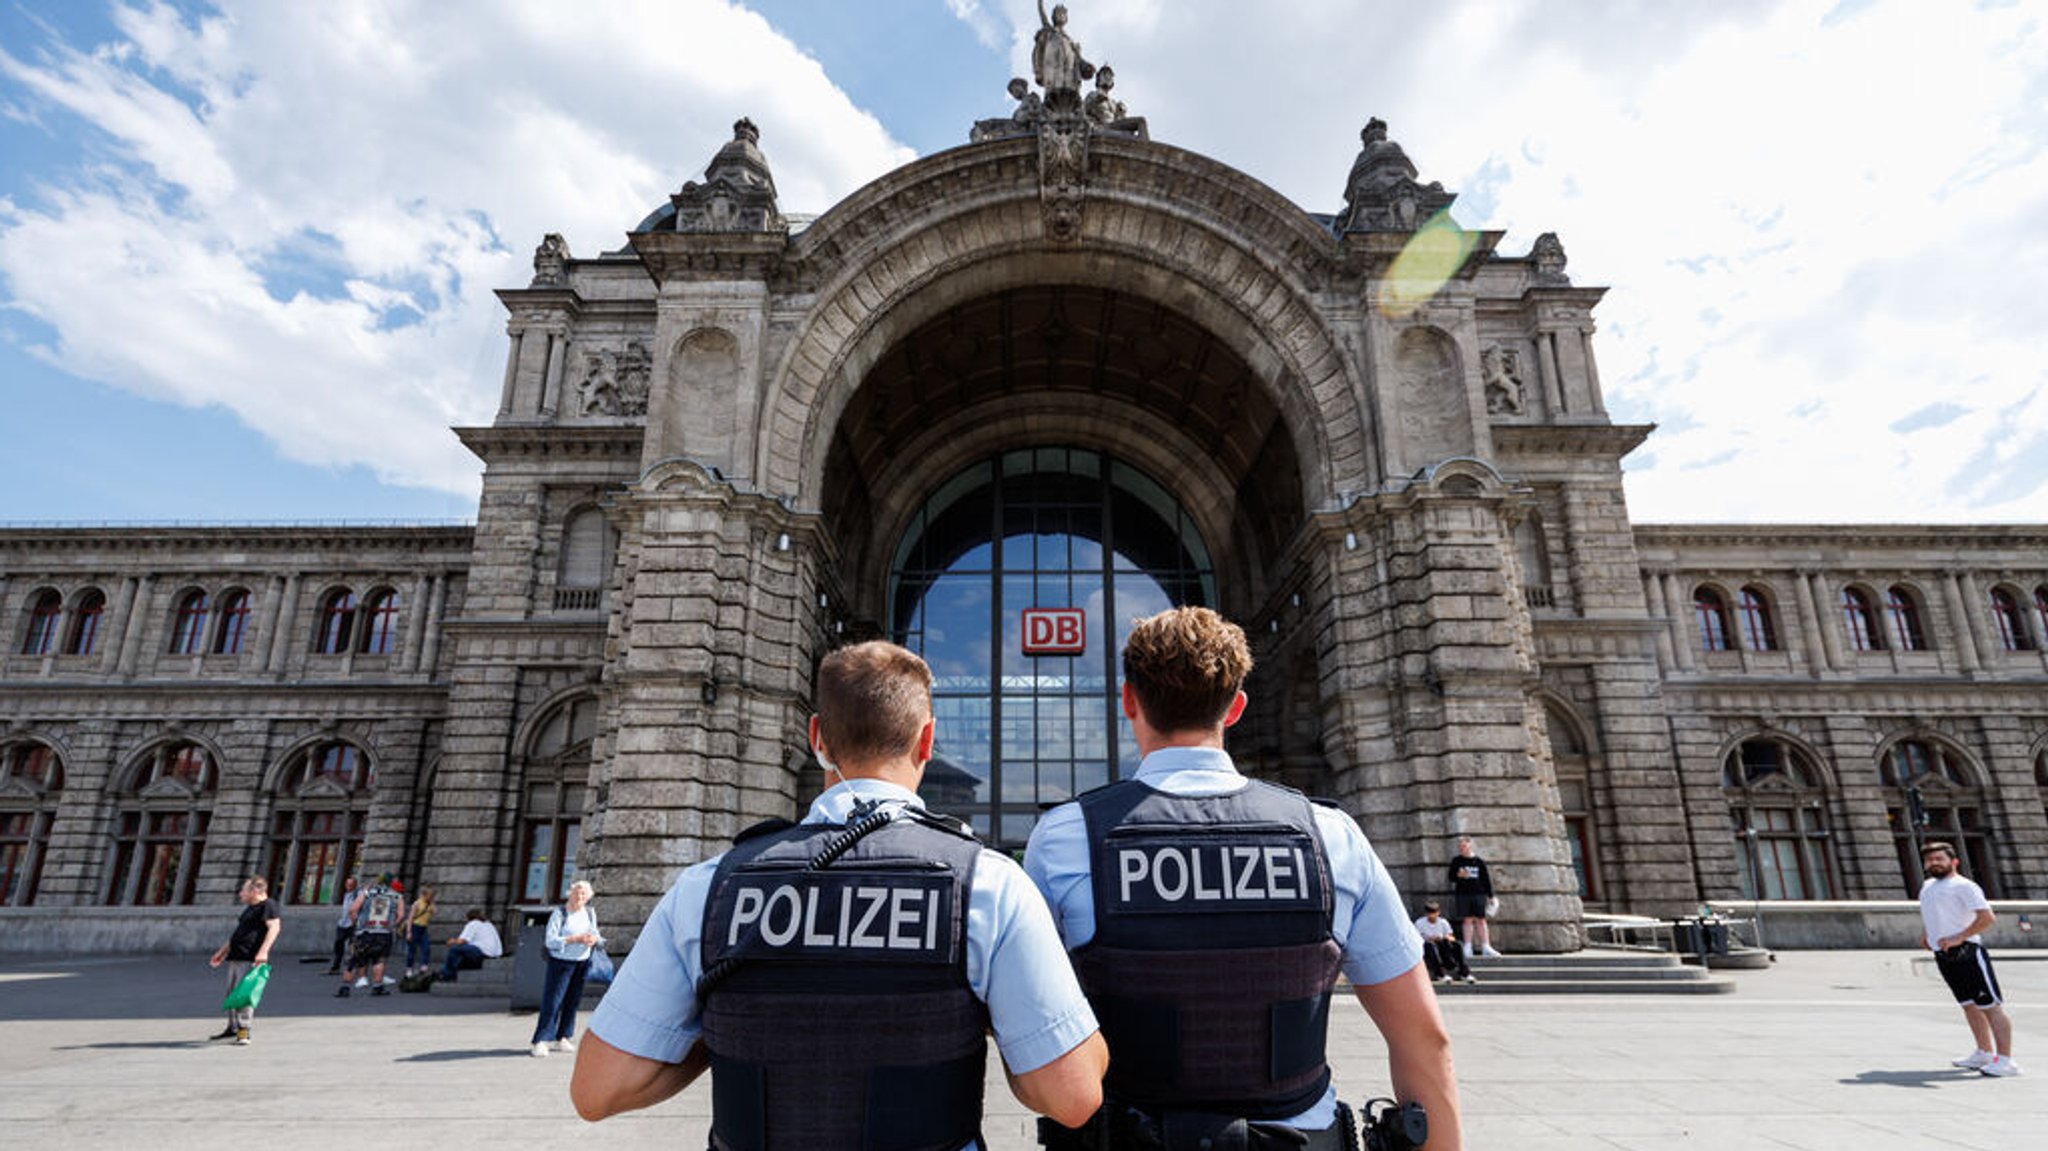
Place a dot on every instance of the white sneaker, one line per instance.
(388, 981)
(1974, 1061)
(565, 1045)
(2000, 1067)
(1468, 951)
(362, 981)
(1490, 953)
(540, 1051)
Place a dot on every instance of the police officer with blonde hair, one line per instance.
(838, 976)
(1209, 915)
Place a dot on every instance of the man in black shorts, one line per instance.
(379, 908)
(1954, 914)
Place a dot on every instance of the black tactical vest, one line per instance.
(836, 1004)
(1212, 961)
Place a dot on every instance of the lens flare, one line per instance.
(1430, 258)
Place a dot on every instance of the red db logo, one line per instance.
(1055, 631)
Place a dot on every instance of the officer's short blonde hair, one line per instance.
(1186, 665)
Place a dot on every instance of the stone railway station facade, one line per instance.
(1062, 366)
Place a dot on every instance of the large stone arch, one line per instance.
(1216, 245)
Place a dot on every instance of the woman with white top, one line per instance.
(572, 934)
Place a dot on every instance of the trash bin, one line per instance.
(1699, 937)
(530, 957)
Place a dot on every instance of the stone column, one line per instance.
(1810, 624)
(134, 621)
(1653, 601)
(1592, 369)
(1675, 615)
(1546, 367)
(1968, 600)
(430, 647)
(551, 385)
(506, 395)
(281, 625)
(416, 623)
(1824, 606)
(1965, 643)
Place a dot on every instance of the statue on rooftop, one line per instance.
(1100, 107)
(1056, 60)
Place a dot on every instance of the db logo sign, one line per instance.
(1055, 631)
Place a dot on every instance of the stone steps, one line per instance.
(1591, 972)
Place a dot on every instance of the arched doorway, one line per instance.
(1036, 528)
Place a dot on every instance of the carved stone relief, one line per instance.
(1500, 367)
(1436, 420)
(614, 382)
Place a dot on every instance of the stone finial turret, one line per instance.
(1382, 194)
(551, 262)
(738, 192)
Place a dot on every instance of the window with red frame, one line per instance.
(188, 628)
(43, 618)
(31, 776)
(1904, 614)
(2011, 621)
(337, 622)
(233, 622)
(160, 829)
(1713, 616)
(316, 831)
(1861, 621)
(85, 623)
(380, 624)
(1757, 632)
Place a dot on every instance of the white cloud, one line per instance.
(421, 147)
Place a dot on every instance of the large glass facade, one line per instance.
(1039, 528)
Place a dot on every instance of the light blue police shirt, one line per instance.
(1015, 963)
(1368, 919)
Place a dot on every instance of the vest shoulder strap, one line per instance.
(765, 827)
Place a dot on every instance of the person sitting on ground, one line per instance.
(479, 941)
(1440, 950)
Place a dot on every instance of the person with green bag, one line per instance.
(246, 952)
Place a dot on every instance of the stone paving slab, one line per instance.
(1826, 1050)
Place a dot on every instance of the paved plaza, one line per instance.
(1837, 1050)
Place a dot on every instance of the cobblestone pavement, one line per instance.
(1825, 1050)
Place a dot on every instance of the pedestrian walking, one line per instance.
(247, 946)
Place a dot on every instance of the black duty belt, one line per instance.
(1116, 1127)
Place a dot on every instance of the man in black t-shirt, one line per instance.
(246, 947)
(1471, 890)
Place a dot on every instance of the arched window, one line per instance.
(85, 623)
(2041, 610)
(380, 624)
(2011, 621)
(1861, 621)
(337, 622)
(233, 623)
(1712, 611)
(1757, 632)
(1777, 804)
(160, 828)
(1568, 753)
(43, 617)
(586, 561)
(557, 785)
(316, 827)
(1904, 613)
(31, 776)
(1951, 806)
(188, 627)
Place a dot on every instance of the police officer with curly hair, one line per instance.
(838, 976)
(1208, 916)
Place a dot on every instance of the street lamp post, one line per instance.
(1756, 885)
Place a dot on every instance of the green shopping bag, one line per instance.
(248, 992)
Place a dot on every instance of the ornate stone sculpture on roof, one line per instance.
(551, 262)
(1547, 254)
(738, 192)
(1382, 194)
(1056, 60)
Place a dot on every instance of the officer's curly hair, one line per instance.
(1186, 665)
(872, 700)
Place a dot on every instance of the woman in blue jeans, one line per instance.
(572, 934)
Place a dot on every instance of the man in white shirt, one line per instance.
(479, 941)
(1441, 952)
(1954, 914)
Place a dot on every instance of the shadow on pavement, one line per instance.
(162, 1045)
(453, 1056)
(1920, 1078)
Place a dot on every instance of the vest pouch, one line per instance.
(929, 1106)
(1203, 1131)
(739, 1105)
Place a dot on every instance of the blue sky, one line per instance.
(247, 249)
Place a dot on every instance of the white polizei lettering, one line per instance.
(1159, 884)
(903, 914)
(1277, 872)
(1301, 874)
(1131, 866)
(812, 936)
(1248, 857)
(931, 920)
(1207, 893)
(784, 896)
(845, 912)
(874, 898)
(746, 908)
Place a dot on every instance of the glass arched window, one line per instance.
(1758, 633)
(1903, 612)
(1951, 802)
(2010, 620)
(43, 617)
(557, 790)
(2041, 610)
(380, 624)
(1045, 528)
(1712, 611)
(232, 623)
(316, 827)
(337, 622)
(188, 625)
(1860, 620)
(85, 623)
(160, 827)
(31, 776)
(586, 561)
(1777, 803)
(1568, 753)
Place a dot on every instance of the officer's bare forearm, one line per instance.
(1404, 1009)
(1069, 1089)
(608, 1081)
